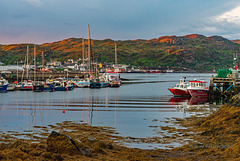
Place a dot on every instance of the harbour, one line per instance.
(151, 81)
(133, 109)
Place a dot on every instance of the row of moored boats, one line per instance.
(62, 84)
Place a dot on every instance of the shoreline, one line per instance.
(187, 129)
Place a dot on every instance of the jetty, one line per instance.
(41, 76)
(225, 86)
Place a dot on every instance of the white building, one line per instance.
(11, 67)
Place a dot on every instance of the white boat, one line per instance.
(11, 87)
(82, 83)
(61, 84)
(180, 89)
(113, 79)
(3, 85)
(169, 71)
(103, 80)
(198, 88)
(114, 71)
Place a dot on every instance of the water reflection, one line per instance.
(198, 100)
(188, 102)
(131, 108)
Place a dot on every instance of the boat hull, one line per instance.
(179, 92)
(26, 88)
(154, 71)
(11, 87)
(104, 84)
(3, 88)
(41, 88)
(69, 88)
(60, 88)
(94, 85)
(63, 88)
(198, 93)
(82, 85)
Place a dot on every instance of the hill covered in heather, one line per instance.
(193, 51)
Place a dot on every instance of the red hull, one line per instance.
(178, 92)
(198, 93)
(177, 100)
(197, 100)
(151, 71)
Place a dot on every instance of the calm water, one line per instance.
(131, 109)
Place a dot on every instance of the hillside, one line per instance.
(193, 51)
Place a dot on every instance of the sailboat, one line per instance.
(27, 84)
(85, 82)
(37, 85)
(114, 79)
(94, 80)
(116, 69)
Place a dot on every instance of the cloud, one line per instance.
(232, 16)
(35, 3)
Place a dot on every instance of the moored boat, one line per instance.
(82, 83)
(11, 87)
(114, 71)
(154, 71)
(62, 85)
(180, 89)
(114, 80)
(43, 87)
(27, 85)
(3, 85)
(198, 88)
(103, 81)
(94, 83)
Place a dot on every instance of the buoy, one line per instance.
(63, 111)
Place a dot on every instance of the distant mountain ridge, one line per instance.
(193, 51)
(236, 41)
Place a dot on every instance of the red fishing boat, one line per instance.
(198, 88)
(180, 89)
(154, 71)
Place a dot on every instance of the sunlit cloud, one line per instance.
(232, 16)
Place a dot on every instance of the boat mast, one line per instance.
(116, 65)
(43, 66)
(17, 71)
(34, 63)
(27, 60)
(83, 50)
(89, 50)
(23, 69)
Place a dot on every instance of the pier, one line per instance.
(224, 87)
(40, 76)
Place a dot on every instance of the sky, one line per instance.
(45, 21)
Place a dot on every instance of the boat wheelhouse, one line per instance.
(180, 89)
(198, 88)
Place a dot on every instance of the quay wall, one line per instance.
(40, 76)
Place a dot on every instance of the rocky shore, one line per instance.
(215, 137)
